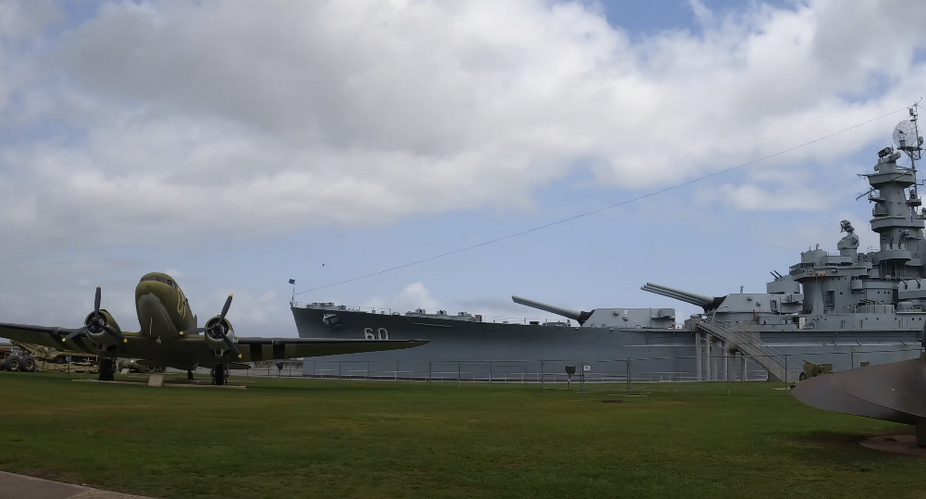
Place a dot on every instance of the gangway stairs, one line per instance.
(750, 343)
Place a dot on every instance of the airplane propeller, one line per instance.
(220, 330)
(892, 392)
(96, 323)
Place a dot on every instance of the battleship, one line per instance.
(846, 309)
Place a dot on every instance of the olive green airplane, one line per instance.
(170, 336)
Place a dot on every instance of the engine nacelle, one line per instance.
(214, 339)
(98, 335)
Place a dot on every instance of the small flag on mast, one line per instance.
(292, 281)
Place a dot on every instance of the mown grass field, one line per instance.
(308, 438)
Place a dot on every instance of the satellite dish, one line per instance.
(907, 140)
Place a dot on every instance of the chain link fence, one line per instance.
(728, 367)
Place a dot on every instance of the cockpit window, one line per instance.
(158, 279)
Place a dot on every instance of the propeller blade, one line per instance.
(194, 331)
(227, 305)
(115, 334)
(96, 300)
(75, 333)
(231, 346)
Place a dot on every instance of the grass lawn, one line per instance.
(309, 438)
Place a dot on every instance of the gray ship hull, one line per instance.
(468, 349)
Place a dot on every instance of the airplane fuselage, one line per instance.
(163, 310)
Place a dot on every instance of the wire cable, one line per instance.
(599, 210)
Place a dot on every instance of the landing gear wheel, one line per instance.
(28, 365)
(219, 375)
(189, 374)
(106, 370)
(802, 377)
(12, 363)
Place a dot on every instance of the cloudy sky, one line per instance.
(238, 145)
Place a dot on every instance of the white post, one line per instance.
(698, 356)
(726, 361)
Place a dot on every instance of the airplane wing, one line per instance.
(46, 336)
(192, 350)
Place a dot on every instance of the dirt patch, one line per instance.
(830, 439)
(118, 432)
(886, 441)
(898, 444)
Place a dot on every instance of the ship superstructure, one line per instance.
(848, 308)
(881, 289)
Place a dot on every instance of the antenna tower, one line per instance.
(907, 138)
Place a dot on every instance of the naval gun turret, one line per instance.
(657, 318)
(708, 303)
(782, 299)
(577, 315)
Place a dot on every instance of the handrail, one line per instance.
(751, 344)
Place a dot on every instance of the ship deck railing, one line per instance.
(499, 319)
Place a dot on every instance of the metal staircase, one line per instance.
(751, 344)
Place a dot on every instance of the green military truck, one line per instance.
(812, 370)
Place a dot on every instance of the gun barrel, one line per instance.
(564, 312)
(694, 299)
(703, 301)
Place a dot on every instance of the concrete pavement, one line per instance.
(26, 487)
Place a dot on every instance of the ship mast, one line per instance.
(895, 216)
(908, 139)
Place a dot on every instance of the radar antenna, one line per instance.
(846, 226)
(907, 138)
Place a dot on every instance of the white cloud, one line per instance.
(412, 297)
(264, 314)
(199, 124)
(174, 273)
(503, 309)
(752, 197)
(175, 118)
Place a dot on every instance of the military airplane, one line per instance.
(170, 336)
